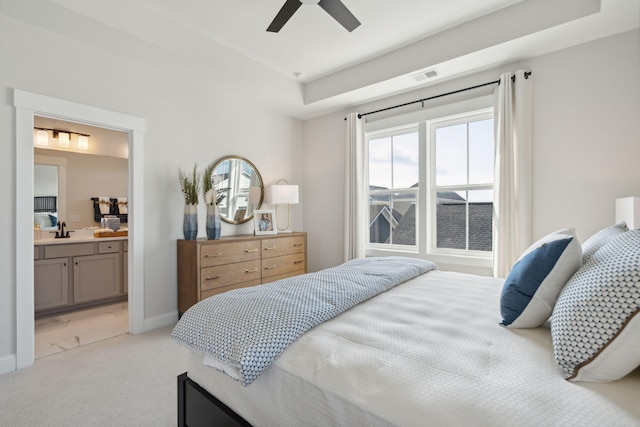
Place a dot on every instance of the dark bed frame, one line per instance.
(198, 408)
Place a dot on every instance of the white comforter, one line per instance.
(429, 352)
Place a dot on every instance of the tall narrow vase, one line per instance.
(190, 222)
(214, 226)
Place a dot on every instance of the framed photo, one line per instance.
(265, 221)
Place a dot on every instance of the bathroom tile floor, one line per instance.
(62, 332)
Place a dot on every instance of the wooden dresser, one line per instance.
(209, 267)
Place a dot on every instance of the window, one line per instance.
(442, 167)
(393, 187)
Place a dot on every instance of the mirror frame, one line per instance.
(247, 218)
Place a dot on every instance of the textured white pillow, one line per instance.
(595, 242)
(595, 325)
(532, 287)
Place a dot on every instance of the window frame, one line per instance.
(426, 227)
(390, 133)
(432, 189)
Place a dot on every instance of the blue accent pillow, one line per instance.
(532, 287)
(54, 220)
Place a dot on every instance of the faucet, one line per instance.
(61, 234)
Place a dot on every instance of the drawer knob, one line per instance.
(270, 267)
(213, 278)
(212, 255)
(298, 262)
(267, 248)
(251, 270)
(251, 250)
(295, 245)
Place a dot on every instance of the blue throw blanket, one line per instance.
(247, 329)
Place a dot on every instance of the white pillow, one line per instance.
(42, 219)
(532, 287)
(595, 242)
(595, 325)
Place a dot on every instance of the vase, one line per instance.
(190, 222)
(214, 226)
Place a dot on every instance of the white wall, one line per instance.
(586, 142)
(188, 119)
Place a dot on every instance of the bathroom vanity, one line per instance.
(79, 272)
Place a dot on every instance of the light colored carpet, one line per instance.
(129, 380)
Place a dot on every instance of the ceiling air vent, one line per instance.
(424, 75)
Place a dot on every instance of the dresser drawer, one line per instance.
(227, 253)
(221, 289)
(287, 265)
(282, 246)
(224, 275)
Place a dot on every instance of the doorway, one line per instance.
(27, 105)
(72, 311)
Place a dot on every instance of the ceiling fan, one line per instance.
(335, 8)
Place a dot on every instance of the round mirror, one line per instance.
(238, 186)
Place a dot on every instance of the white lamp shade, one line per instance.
(280, 194)
(628, 210)
(63, 139)
(42, 137)
(83, 142)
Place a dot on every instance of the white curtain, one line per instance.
(513, 118)
(354, 191)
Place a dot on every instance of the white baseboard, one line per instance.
(161, 321)
(8, 364)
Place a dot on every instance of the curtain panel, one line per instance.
(355, 192)
(513, 120)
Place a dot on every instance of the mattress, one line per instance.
(427, 352)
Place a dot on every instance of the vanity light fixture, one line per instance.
(63, 137)
(42, 137)
(83, 142)
(282, 193)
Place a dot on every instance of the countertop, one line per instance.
(71, 240)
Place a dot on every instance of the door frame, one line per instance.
(27, 105)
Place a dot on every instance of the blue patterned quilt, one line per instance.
(247, 329)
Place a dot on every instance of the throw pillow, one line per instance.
(532, 287)
(42, 219)
(595, 326)
(595, 242)
(54, 220)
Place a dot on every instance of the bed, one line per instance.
(45, 212)
(428, 351)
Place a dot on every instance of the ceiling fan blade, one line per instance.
(287, 11)
(340, 13)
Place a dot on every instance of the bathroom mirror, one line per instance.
(239, 185)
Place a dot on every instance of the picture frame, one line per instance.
(265, 221)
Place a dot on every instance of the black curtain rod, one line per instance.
(513, 78)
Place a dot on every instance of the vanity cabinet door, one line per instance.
(96, 277)
(51, 283)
